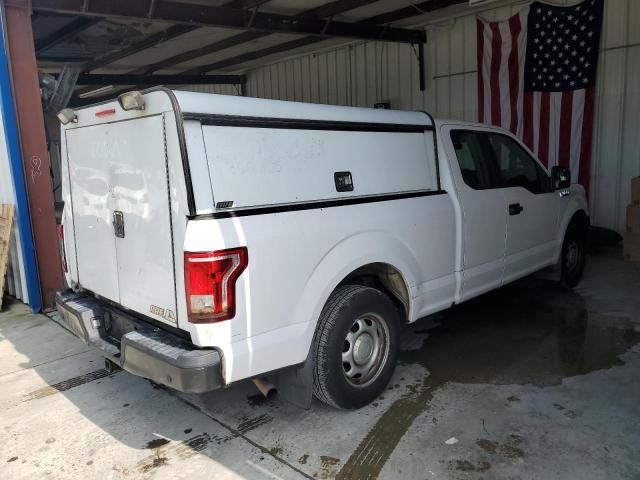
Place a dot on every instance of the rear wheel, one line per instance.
(355, 347)
(574, 251)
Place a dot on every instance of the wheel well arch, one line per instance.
(386, 278)
(580, 218)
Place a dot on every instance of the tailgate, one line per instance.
(121, 215)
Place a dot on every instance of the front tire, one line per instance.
(355, 347)
(574, 251)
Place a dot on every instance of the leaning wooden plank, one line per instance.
(6, 220)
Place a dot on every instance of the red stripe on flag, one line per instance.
(480, 51)
(496, 54)
(527, 118)
(515, 28)
(543, 138)
(564, 147)
(587, 135)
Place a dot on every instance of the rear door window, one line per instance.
(476, 159)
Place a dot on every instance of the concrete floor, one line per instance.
(527, 382)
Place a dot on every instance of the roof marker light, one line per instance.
(131, 100)
(106, 112)
(67, 115)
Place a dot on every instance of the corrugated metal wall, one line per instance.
(362, 74)
(16, 282)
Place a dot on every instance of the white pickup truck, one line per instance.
(208, 239)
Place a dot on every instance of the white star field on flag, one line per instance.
(564, 50)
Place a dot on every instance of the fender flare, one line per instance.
(577, 203)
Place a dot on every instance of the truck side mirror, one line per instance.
(560, 177)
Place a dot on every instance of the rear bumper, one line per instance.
(138, 347)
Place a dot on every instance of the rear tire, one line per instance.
(574, 251)
(355, 347)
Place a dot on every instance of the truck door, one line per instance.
(532, 206)
(121, 214)
(482, 203)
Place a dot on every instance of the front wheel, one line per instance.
(574, 251)
(355, 347)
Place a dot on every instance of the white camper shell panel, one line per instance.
(253, 163)
(119, 168)
(266, 166)
(235, 106)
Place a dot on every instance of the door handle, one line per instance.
(515, 209)
(118, 224)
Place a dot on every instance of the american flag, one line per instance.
(536, 77)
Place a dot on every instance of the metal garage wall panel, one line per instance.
(607, 158)
(363, 73)
(615, 23)
(634, 17)
(630, 157)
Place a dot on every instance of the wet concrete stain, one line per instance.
(247, 424)
(532, 332)
(166, 450)
(371, 454)
(12, 459)
(565, 411)
(68, 384)
(257, 400)
(328, 461)
(490, 451)
(303, 459)
(328, 465)
(488, 446)
(193, 445)
(467, 466)
(154, 463)
(156, 443)
(188, 430)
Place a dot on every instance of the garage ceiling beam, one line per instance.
(255, 55)
(145, 80)
(148, 42)
(244, 3)
(156, 39)
(225, 17)
(223, 44)
(394, 15)
(74, 27)
(413, 11)
(62, 59)
(324, 11)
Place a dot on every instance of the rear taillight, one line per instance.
(63, 254)
(210, 283)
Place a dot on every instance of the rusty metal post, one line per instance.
(35, 158)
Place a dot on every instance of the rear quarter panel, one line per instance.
(296, 259)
